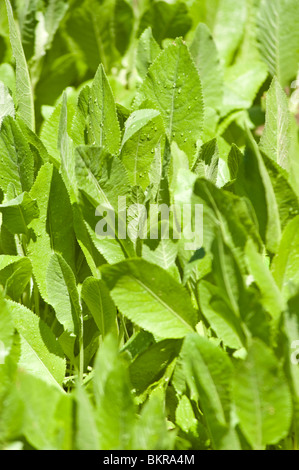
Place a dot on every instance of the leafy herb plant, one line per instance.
(149, 224)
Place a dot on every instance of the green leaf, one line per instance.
(7, 73)
(271, 296)
(87, 434)
(198, 266)
(136, 121)
(254, 182)
(102, 177)
(54, 13)
(176, 171)
(41, 354)
(242, 81)
(278, 36)
(164, 255)
(286, 197)
(101, 31)
(85, 241)
(290, 331)
(60, 221)
(151, 298)
(227, 273)
(262, 397)
(151, 431)
(206, 164)
(27, 24)
(6, 331)
(116, 411)
(194, 433)
(15, 274)
(65, 146)
(249, 46)
(97, 298)
(104, 124)
(205, 55)
(19, 212)
(116, 331)
(36, 145)
(49, 133)
(39, 245)
(208, 372)
(227, 212)
(155, 171)
(285, 265)
(228, 27)
(7, 107)
(293, 153)
(108, 248)
(275, 141)
(234, 160)
(115, 408)
(63, 294)
(168, 20)
(80, 126)
(219, 315)
(174, 87)
(16, 164)
(226, 20)
(47, 424)
(24, 92)
(150, 365)
(147, 51)
(138, 343)
(143, 130)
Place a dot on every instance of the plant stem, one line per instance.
(36, 298)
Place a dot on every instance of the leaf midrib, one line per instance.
(160, 301)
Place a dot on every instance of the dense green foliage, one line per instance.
(137, 342)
